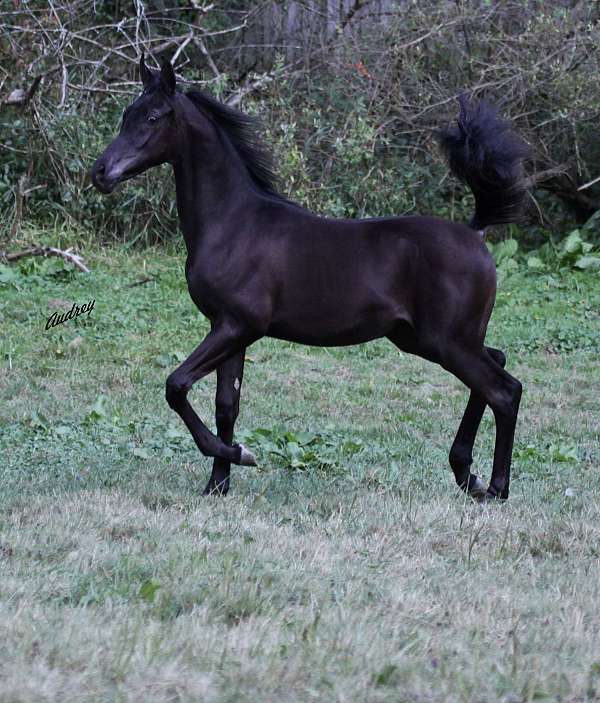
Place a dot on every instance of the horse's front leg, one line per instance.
(227, 407)
(223, 342)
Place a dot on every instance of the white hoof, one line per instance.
(246, 457)
(478, 489)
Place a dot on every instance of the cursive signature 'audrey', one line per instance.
(56, 319)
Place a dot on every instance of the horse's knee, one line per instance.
(176, 390)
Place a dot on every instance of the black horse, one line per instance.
(259, 265)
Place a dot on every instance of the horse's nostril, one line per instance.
(99, 175)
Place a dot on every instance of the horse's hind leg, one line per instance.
(461, 453)
(489, 381)
(227, 407)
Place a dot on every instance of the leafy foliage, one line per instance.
(35, 269)
(302, 450)
(573, 252)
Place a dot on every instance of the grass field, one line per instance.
(347, 566)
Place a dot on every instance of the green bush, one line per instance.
(57, 149)
(351, 108)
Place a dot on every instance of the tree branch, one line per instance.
(67, 255)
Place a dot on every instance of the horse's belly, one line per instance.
(334, 332)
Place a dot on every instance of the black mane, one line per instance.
(242, 131)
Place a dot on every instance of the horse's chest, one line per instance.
(204, 297)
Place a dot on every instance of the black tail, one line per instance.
(483, 151)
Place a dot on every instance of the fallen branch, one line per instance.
(67, 254)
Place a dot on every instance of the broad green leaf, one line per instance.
(564, 453)
(588, 263)
(572, 244)
(7, 274)
(535, 263)
(98, 411)
(305, 437)
(163, 361)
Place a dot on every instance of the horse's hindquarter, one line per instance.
(456, 286)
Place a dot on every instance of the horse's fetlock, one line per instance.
(460, 457)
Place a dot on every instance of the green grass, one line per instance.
(361, 575)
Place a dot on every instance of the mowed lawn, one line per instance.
(347, 569)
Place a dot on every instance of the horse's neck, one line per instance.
(211, 182)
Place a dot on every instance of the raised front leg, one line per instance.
(227, 406)
(223, 342)
(461, 453)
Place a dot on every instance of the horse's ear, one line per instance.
(167, 76)
(145, 74)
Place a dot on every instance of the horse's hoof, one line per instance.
(246, 457)
(477, 488)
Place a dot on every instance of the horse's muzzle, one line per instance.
(101, 179)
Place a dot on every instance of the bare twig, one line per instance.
(235, 99)
(204, 51)
(63, 90)
(67, 255)
(589, 184)
(141, 282)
